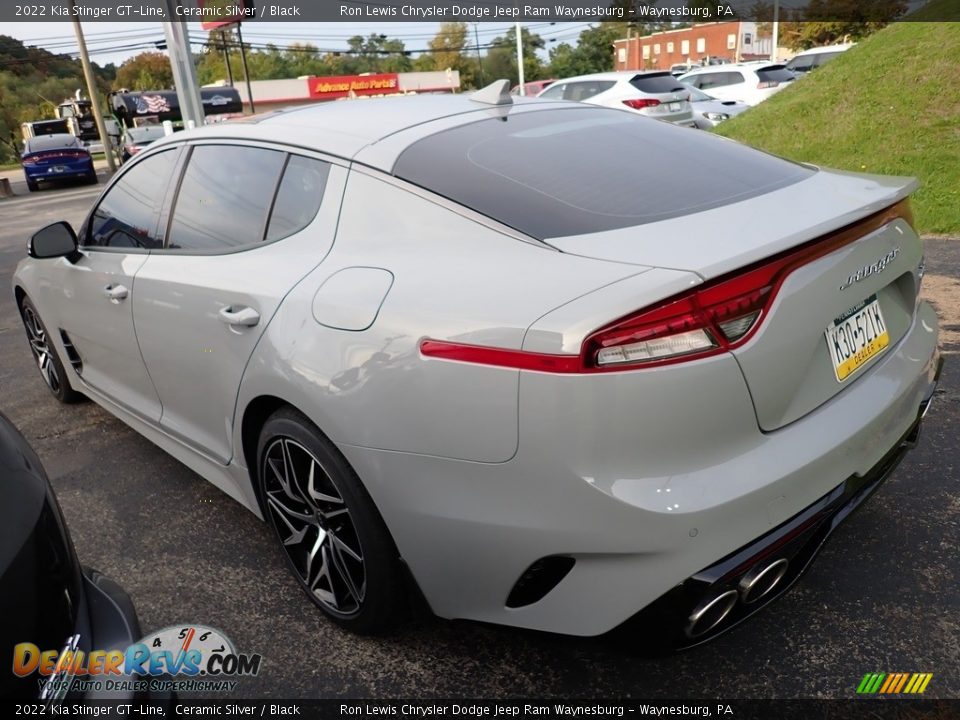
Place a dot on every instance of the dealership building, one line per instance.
(730, 41)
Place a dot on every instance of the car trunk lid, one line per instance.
(831, 317)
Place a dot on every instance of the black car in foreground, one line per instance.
(47, 599)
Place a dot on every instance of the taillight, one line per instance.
(29, 162)
(707, 320)
(641, 103)
(719, 315)
(767, 84)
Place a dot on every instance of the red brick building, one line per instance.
(734, 41)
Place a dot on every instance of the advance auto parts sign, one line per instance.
(330, 88)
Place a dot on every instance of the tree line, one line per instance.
(33, 81)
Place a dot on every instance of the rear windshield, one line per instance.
(658, 83)
(571, 171)
(775, 73)
(51, 142)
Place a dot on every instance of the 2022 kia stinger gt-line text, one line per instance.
(527, 360)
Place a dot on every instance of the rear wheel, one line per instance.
(33, 185)
(334, 540)
(45, 356)
(92, 177)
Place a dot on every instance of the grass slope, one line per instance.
(889, 105)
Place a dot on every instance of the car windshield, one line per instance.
(52, 142)
(571, 171)
(697, 95)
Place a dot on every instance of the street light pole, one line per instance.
(181, 63)
(92, 89)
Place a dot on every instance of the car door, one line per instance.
(94, 295)
(248, 223)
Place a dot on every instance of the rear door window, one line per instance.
(225, 197)
(585, 89)
(554, 92)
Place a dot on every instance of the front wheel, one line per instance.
(331, 534)
(45, 355)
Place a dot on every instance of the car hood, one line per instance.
(717, 241)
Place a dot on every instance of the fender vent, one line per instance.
(72, 355)
(539, 579)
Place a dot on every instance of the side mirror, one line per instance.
(57, 240)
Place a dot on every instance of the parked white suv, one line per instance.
(656, 94)
(750, 83)
(808, 60)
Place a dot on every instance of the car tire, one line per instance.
(45, 355)
(332, 536)
(33, 185)
(92, 178)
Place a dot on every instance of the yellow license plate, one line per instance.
(855, 337)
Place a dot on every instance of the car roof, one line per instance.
(613, 75)
(826, 48)
(724, 67)
(381, 127)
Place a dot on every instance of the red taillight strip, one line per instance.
(500, 357)
(776, 268)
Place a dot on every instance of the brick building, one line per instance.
(734, 41)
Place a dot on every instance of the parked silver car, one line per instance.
(708, 111)
(656, 94)
(530, 358)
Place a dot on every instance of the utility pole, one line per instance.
(226, 58)
(92, 89)
(520, 58)
(181, 63)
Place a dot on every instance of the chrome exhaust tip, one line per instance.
(710, 613)
(761, 580)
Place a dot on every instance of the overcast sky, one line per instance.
(116, 41)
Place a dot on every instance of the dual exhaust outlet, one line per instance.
(758, 582)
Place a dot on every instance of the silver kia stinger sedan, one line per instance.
(526, 360)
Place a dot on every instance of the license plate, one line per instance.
(58, 169)
(855, 337)
(674, 107)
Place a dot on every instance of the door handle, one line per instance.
(116, 293)
(241, 315)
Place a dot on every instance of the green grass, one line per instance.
(890, 105)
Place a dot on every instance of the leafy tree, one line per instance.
(501, 58)
(831, 21)
(146, 71)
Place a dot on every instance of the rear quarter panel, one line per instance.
(454, 279)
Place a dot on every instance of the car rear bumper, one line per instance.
(644, 479)
(70, 171)
(788, 550)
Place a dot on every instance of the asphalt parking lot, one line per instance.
(883, 596)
